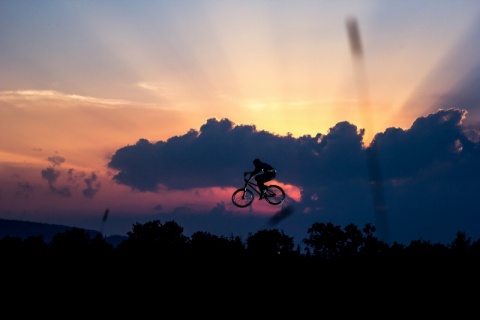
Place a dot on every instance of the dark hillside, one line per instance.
(24, 229)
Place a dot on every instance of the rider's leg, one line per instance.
(260, 183)
(261, 179)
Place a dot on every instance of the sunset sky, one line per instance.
(154, 109)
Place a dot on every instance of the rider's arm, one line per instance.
(255, 171)
(252, 173)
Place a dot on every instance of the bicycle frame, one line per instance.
(253, 186)
(274, 194)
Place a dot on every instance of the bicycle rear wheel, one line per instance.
(242, 197)
(274, 194)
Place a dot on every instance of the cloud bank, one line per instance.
(429, 172)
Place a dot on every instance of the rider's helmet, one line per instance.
(255, 161)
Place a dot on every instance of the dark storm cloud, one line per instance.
(219, 153)
(56, 160)
(432, 176)
(73, 175)
(51, 175)
(93, 186)
(435, 140)
(430, 172)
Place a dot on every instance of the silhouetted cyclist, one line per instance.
(263, 172)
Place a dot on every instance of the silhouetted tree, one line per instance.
(325, 240)
(35, 247)
(166, 244)
(205, 244)
(154, 239)
(77, 243)
(354, 241)
(475, 250)
(372, 246)
(269, 243)
(329, 242)
(460, 246)
(11, 248)
(424, 251)
(72, 242)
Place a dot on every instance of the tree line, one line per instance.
(157, 241)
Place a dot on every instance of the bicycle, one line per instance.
(243, 197)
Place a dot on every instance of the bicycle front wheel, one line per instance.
(242, 197)
(274, 195)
